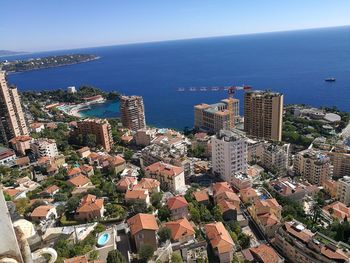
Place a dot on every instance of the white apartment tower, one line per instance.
(343, 190)
(229, 154)
(44, 148)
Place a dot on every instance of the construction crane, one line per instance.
(230, 92)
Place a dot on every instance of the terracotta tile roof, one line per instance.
(126, 138)
(225, 205)
(248, 192)
(268, 219)
(43, 160)
(94, 155)
(116, 160)
(201, 196)
(51, 189)
(334, 255)
(219, 237)
(12, 191)
(228, 195)
(78, 259)
(126, 182)
(141, 222)
(265, 254)
(147, 183)
(218, 188)
(302, 234)
(74, 171)
(36, 125)
(180, 228)
(200, 135)
(21, 138)
(46, 200)
(340, 210)
(5, 153)
(52, 168)
(22, 161)
(271, 203)
(86, 168)
(90, 203)
(79, 180)
(84, 149)
(176, 202)
(164, 169)
(41, 211)
(136, 194)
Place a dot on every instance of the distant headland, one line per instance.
(45, 62)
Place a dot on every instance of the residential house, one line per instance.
(337, 211)
(201, 196)
(152, 185)
(143, 229)
(50, 190)
(178, 207)
(90, 208)
(262, 254)
(137, 195)
(126, 183)
(43, 212)
(248, 195)
(84, 152)
(181, 230)
(228, 209)
(220, 241)
(79, 181)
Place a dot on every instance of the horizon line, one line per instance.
(178, 39)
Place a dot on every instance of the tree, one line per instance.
(244, 240)
(115, 256)
(146, 252)
(176, 258)
(115, 211)
(128, 154)
(72, 203)
(195, 215)
(138, 206)
(22, 205)
(156, 198)
(164, 234)
(163, 213)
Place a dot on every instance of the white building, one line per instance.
(71, 90)
(275, 157)
(343, 191)
(44, 147)
(7, 157)
(229, 154)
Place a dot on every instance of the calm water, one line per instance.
(294, 63)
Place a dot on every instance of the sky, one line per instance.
(38, 25)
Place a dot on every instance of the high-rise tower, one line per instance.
(12, 120)
(132, 112)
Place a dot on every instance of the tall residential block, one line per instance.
(313, 166)
(341, 163)
(263, 112)
(215, 117)
(98, 127)
(229, 154)
(12, 120)
(132, 112)
(343, 190)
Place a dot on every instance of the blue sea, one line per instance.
(294, 63)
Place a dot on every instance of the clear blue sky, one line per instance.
(34, 25)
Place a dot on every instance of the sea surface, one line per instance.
(294, 63)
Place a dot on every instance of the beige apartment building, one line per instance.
(298, 244)
(341, 163)
(313, 166)
(215, 117)
(263, 111)
(343, 190)
(132, 112)
(98, 127)
(12, 119)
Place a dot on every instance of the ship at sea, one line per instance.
(330, 79)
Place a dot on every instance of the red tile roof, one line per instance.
(164, 169)
(180, 228)
(219, 237)
(176, 202)
(141, 222)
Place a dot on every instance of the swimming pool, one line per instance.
(103, 239)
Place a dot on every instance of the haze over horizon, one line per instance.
(42, 25)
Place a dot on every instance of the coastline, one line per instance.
(57, 66)
(74, 110)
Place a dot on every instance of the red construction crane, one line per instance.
(230, 91)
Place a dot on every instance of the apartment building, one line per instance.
(275, 158)
(229, 154)
(300, 245)
(263, 111)
(341, 163)
(44, 147)
(12, 119)
(98, 127)
(171, 177)
(313, 166)
(215, 117)
(132, 112)
(343, 190)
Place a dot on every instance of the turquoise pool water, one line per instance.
(103, 239)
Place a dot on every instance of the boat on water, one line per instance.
(330, 79)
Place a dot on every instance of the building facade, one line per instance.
(132, 112)
(229, 154)
(12, 119)
(341, 163)
(215, 117)
(312, 165)
(343, 190)
(275, 157)
(44, 148)
(263, 112)
(98, 127)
